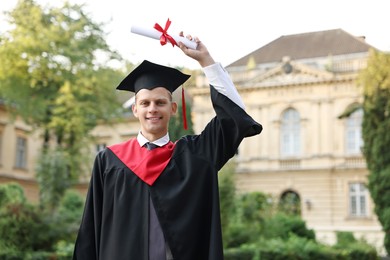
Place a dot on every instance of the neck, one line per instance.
(152, 137)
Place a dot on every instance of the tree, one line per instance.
(227, 192)
(176, 127)
(56, 60)
(375, 80)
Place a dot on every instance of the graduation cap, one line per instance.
(149, 75)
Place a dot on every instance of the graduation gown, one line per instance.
(185, 195)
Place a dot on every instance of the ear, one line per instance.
(134, 109)
(174, 108)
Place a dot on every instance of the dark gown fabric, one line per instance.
(185, 195)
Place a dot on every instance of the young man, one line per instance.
(163, 203)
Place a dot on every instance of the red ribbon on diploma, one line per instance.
(165, 36)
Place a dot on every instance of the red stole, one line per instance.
(147, 165)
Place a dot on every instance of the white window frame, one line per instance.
(353, 133)
(21, 153)
(358, 199)
(290, 133)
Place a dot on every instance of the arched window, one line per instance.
(290, 203)
(354, 140)
(290, 133)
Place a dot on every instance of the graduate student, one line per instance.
(150, 198)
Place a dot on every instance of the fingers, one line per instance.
(190, 37)
(200, 54)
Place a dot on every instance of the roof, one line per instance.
(306, 45)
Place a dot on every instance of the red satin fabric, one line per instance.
(147, 165)
(165, 37)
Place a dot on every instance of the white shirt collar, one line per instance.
(159, 142)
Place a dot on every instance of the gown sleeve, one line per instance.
(86, 246)
(223, 134)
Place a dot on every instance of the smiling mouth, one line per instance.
(154, 119)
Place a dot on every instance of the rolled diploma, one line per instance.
(153, 33)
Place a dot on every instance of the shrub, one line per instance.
(11, 193)
(281, 225)
(239, 253)
(28, 231)
(355, 249)
(23, 227)
(344, 238)
(238, 234)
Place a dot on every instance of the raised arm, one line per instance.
(201, 54)
(215, 73)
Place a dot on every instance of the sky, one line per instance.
(230, 29)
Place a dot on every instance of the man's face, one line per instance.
(154, 109)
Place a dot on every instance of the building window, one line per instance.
(21, 153)
(100, 147)
(290, 133)
(358, 197)
(290, 203)
(354, 140)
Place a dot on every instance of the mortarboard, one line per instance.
(149, 75)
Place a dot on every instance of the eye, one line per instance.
(144, 103)
(161, 102)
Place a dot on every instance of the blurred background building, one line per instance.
(301, 88)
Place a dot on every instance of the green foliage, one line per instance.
(238, 234)
(21, 226)
(46, 50)
(176, 124)
(226, 196)
(64, 249)
(355, 249)
(72, 205)
(239, 253)
(69, 213)
(11, 193)
(246, 221)
(379, 185)
(345, 238)
(257, 230)
(253, 206)
(295, 247)
(53, 176)
(375, 80)
(298, 248)
(28, 232)
(57, 60)
(282, 226)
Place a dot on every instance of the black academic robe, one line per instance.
(186, 197)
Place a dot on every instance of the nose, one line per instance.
(152, 107)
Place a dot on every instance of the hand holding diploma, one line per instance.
(158, 33)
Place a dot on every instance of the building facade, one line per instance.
(300, 87)
(20, 147)
(18, 153)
